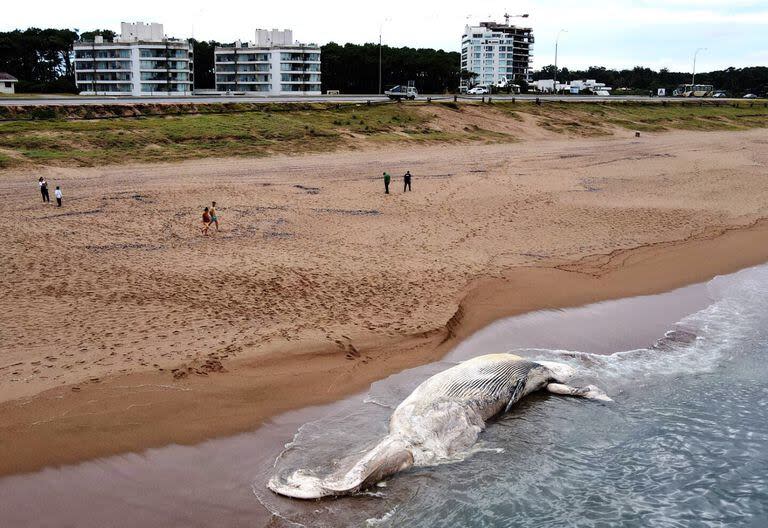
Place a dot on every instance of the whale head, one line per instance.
(560, 371)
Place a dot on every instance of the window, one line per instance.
(89, 87)
(109, 65)
(103, 54)
(161, 53)
(252, 87)
(263, 78)
(164, 87)
(297, 66)
(300, 56)
(163, 76)
(162, 65)
(307, 87)
(299, 77)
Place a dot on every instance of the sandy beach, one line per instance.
(126, 329)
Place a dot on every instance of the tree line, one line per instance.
(42, 61)
(735, 81)
(354, 68)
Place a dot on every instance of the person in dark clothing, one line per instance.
(206, 221)
(44, 189)
(387, 179)
(407, 181)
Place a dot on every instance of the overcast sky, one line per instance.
(613, 33)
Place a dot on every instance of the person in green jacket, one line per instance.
(387, 179)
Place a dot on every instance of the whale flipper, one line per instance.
(388, 457)
(517, 392)
(590, 392)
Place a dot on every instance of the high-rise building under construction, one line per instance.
(496, 52)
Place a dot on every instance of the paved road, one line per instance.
(207, 99)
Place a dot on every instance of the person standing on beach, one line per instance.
(214, 217)
(206, 221)
(57, 193)
(44, 189)
(407, 181)
(386, 182)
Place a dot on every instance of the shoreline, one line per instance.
(149, 409)
(230, 471)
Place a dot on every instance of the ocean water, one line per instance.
(684, 444)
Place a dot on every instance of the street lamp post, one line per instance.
(380, 29)
(693, 77)
(557, 40)
(379, 60)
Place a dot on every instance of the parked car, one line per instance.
(479, 90)
(720, 94)
(750, 96)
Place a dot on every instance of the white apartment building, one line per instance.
(141, 61)
(272, 65)
(496, 53)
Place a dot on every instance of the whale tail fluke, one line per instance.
(390, 456)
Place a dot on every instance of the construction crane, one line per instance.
(507, 16)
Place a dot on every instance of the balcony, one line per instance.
(104, 81)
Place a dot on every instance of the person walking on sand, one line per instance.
(206, 221)
(387, 179)
(214, 217)
(44, 189)
(57, 193)
(407, 181)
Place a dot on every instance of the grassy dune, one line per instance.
(119, 140)
(44, 137)
(598, 118)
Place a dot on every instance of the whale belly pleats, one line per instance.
(481, 383)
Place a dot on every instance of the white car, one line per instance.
(750, 96)
(720, 94)
(478, 90)
(397, 93)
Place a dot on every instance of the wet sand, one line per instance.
(129, 330)
(222, 481)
